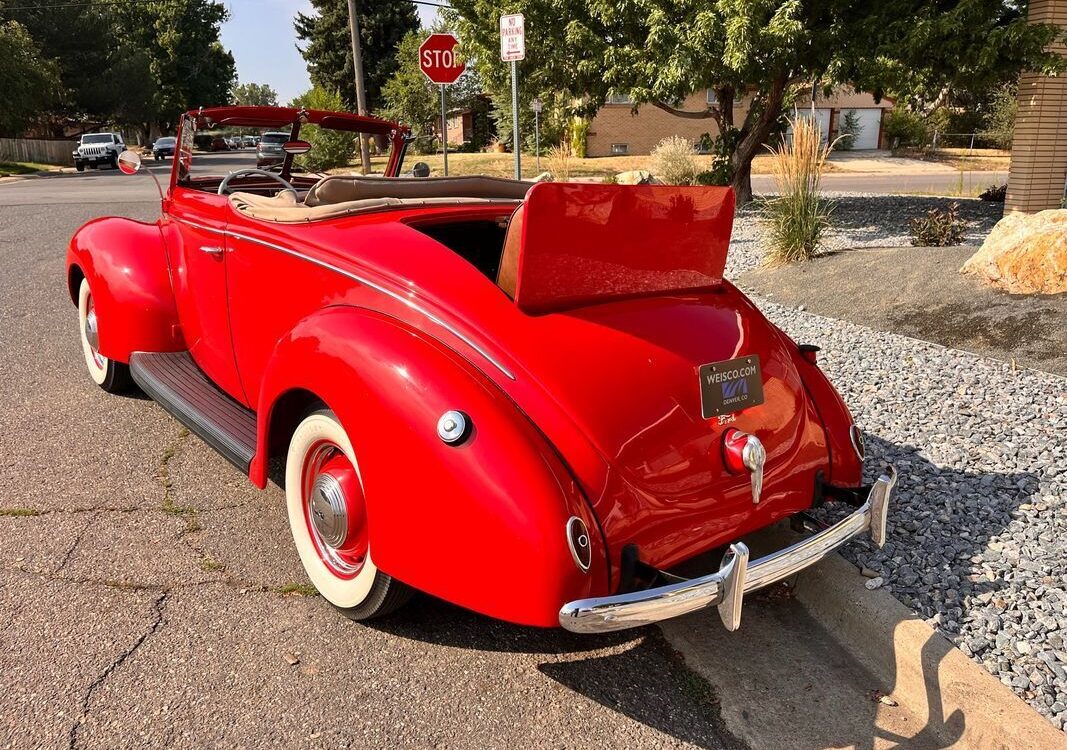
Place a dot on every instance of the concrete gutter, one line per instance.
(827, 663)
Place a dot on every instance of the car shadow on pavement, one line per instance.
(634, 673)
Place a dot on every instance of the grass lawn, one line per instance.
(503, 165)
(8, 168)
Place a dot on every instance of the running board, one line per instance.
(174, 382)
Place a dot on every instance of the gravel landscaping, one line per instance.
(862, 221)
(978, 528)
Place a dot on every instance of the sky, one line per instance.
(261, 37)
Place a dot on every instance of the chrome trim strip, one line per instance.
(360, 279)
(736, 577)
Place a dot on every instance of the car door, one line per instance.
(200, 285)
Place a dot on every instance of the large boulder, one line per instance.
(636, 177)
(1024, 254)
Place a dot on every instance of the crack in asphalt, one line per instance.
(158, 606)
(74, 545)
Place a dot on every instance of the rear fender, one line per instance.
(482, 523)
(846, 467)
(125, 262)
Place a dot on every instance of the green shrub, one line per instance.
(905, 128)
(579, 130)
(674, 162)
(798, 217)
(848, 130)
(994, 193)
(329, 148)
(938, 228)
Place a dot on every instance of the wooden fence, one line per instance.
(40, 151)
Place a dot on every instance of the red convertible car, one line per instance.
(531, 400)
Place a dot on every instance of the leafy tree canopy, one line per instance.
(254, 95)
(327, 45)
(29, 82)
(659, 51)
(137, 63)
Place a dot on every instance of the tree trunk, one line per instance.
(754, 134)
(742, 182)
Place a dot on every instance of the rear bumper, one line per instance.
(736, 577)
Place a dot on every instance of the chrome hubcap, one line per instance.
(334, 510)
(328, 512)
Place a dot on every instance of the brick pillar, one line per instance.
(1039, 146)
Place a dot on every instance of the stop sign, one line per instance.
(438, 59)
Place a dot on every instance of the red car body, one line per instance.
(582, 389)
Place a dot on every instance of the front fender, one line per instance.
(125, 262)
(481, 524)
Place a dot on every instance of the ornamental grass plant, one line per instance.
(798, 216)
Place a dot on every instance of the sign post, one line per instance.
(513, 49)
(439, 62)
(536, 106)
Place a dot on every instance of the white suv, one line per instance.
(98, 148)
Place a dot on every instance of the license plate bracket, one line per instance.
(730, 386)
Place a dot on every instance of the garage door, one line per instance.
(869, 121)
(822, 116)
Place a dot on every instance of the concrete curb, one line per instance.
(929, 675)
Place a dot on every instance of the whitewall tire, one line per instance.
(113, 377)
(327, 515)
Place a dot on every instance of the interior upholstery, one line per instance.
(507, 276)
(345, 188)
(284, 208)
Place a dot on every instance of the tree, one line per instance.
(329, 148)
(410, 97)
(659, 51)
(186, 60)
(254, 95)
(29, 82)
(138, 63)
(328, 45)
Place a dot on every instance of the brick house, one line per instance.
(615, 130)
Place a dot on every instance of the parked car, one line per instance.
(219, 144)
(248, 141)
(96, 149)
(269, 149)
(164, 147)
(501, 393)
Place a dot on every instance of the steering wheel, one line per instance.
(224, 186)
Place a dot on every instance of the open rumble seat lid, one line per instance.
(582, 243)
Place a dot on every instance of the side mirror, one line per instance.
(129, 162)
(421, 169)
(296, 147)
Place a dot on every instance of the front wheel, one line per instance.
(112, 376)
(80, 166)
(328, 518)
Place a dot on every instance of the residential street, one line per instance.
(107, 186)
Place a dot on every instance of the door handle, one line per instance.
(211, 249)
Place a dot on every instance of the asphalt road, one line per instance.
(143, 582)
(110, 186)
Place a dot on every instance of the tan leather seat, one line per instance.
(346, 188)
(508, 274)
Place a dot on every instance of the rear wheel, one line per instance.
(328, 518)
(113, 377)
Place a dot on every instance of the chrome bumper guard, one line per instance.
(736, 576)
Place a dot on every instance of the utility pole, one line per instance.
(361, 93)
